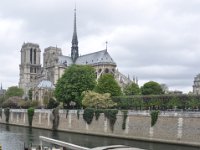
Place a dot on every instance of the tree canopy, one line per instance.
(151, 88)
(96, 100)
(75, 80)
(108, 84)
(132, 89)
(14, 91)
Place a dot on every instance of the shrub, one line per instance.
(24, 104)
(30, 115)
(125, 115)
(7, 114)
(11, 102)
(154, 117)
(35, 104)
(1, 112)
(78, 113)
(88, 115)
(111, 115)
(52, 103)
(97, 113)
(56, 118)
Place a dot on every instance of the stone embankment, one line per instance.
(171, 127)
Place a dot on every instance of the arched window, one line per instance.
(106, 70)
(31, 51)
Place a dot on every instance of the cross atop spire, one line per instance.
(106, 45)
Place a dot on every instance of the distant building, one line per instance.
(176, 92)
(2, 91)
(40, 79)
(196, 85)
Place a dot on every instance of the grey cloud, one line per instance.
(155, 40)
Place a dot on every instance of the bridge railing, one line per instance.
(60, 143)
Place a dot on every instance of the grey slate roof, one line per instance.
(96, 58)
(100, 57)
(65, 60)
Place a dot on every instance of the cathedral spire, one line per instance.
(74, 48)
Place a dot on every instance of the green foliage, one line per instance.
(78, 113)
(7, 114)
(161, 102)
(125, 115)
(132, 89)
(24, 104)
(31, 111)
(88, 115)
(108, 84)
(56, 118)
(111, 115)
(98, 113)
(95, 100)
(52, 103)
(154, 117)
(193, 103)
(1, 112)
(12, 102)
(67, 113)
(30, 94)
(35, 103)
(75, 80)
(174, 102)
(2, 99)
(129, 102)
(14, 91)
(151, 88)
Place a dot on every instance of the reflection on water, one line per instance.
(14, 137)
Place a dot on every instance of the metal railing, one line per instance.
(60, 143)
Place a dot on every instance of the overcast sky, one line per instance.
(155, 40)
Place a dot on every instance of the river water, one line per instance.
(14, 137)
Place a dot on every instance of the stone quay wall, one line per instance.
(171, 127)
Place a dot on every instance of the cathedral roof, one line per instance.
(46, 84)
(65, 60)
(96, 58)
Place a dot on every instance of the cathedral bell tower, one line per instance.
(30, 66)
(74, 48)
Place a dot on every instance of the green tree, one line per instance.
(151, 88)
(108, 84)
(132, 89)
(30, 94)
(96, 100)
(14, 91)
(75, 80)
(52, 103)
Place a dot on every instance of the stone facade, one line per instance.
(196, 85)
(55, 63)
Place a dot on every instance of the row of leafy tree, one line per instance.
(161, 102)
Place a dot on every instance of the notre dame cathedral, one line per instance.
(42, 80)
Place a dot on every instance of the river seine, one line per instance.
(14, 138)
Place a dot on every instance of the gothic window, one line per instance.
(34, 56)
(106, 70)
(31, 51)
(99, 70)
